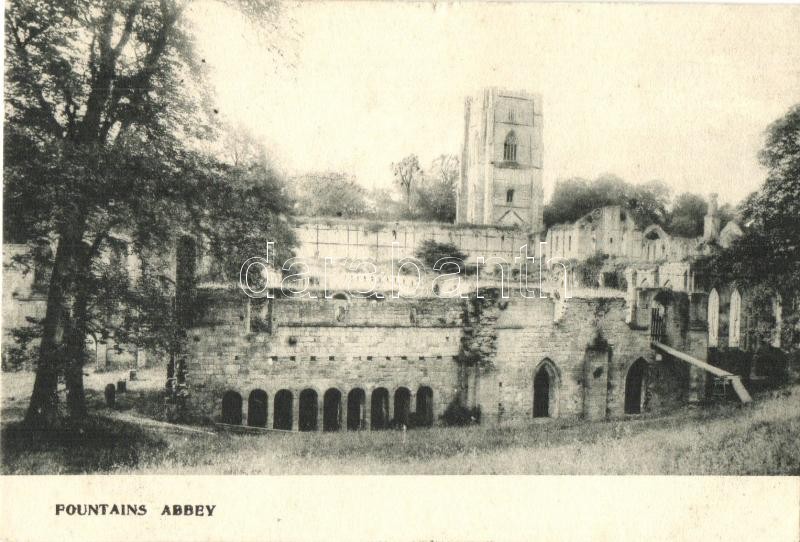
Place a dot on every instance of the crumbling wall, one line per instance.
(473, 352)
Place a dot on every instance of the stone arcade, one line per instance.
(344, 363)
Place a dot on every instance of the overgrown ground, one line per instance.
(722, 439)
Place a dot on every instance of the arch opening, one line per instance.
(424, 407)
(402, 406)
(510, 147)
(635, 387)
(284, 403)
(232, 408)
(332, 410)
(356, 409)
(379, 408)
(257, 408)
(308, 410)
(545, 388)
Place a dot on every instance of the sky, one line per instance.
(677, 92)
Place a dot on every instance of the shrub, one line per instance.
(430, 252)
(457, 415)
(589, 270)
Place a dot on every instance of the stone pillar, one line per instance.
(633, 294)
(367, 409)
(344, 407)
(296, 410)
(711, 220)
(270, 413)
(320, 411)
(595, 382)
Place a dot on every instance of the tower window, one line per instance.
(510, 196)
(510, 114)
(510, 148)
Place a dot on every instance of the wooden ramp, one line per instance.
(735, 380)
(249, 429)
(154, 424)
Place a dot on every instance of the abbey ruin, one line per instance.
(362, 359)
(348, 354)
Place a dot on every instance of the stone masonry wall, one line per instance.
(241, 345)
(322, 344)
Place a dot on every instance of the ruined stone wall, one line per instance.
(590, 375)
(322, 344)
(332, 238)
(474, 352)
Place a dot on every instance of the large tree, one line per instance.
(407, 172)
(104, 101)
(436, 193)
(329, 194)
(573, 198)
(686, 217)
(766, 259)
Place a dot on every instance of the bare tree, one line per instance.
(406, 174)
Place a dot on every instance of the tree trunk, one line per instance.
(43, 408)
(76, 347)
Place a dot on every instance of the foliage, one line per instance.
(575, 197)
(436, 193)
(767, 256)
(615, 276)
(430, 252)
(329, 194)
(22, 353)
(456, 415)
(106, 111)
(407, 172)
(384, 203)
(688, 212)
(589, 270)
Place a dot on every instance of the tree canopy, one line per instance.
(767, 257)
(106, 110)
(329, 194)
(575, 197)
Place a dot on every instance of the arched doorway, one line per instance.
(332, 410)
(257, 408)
(379, 408)
(284, 403)
(308, 410)
(232, 408)
(634, 387)
(425, 406)
(402, 406)
(356, 409)
(545, 390)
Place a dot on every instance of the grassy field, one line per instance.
(723, 439)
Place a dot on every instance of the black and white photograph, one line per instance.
(252, 239)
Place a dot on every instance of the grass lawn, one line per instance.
(722, 439)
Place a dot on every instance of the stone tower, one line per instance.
(501, 161)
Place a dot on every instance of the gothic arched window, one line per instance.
(510, 148)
